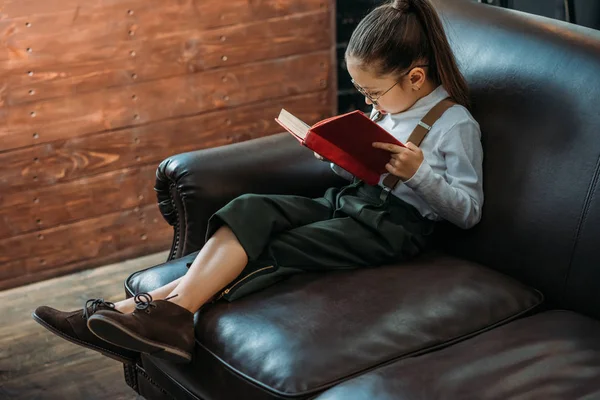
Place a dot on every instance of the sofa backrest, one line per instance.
(535, 88)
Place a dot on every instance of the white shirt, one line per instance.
(449, 182)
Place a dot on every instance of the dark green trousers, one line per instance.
(349, 227)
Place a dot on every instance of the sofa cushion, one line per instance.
(553, 355)
(154, 277)
(314, 330)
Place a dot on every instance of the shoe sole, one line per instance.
(121, 336)
(104, 352)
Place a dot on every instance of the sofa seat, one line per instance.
(313, 331)
(552, 355)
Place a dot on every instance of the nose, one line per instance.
(368, 101)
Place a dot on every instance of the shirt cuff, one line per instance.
(421, 175)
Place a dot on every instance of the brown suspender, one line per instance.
(416, 137)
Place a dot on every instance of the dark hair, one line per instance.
(404, 33)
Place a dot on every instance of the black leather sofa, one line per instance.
(506, 310)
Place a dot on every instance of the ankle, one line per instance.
(126, 306)
(181, 302)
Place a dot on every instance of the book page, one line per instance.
(294, 124)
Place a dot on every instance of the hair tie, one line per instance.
(403, 6)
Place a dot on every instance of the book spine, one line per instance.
(341, 158)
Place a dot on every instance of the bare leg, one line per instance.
(219, 262)
(128, 305)
(168, 330)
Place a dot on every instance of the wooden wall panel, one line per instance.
(59, 204)
(201, 13)
(46, 73)
(228, 46)
(116, 22)
(29, 8)
(119, 107)
(95, 93)
(127, 185)
(85, 244)
(66, 160)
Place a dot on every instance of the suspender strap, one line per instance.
(416, 137)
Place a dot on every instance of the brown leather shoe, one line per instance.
(160, 328)
(72, 326)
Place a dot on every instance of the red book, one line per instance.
(346, 140)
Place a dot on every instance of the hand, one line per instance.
(404, 161)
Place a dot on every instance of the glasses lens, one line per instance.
(362, 91)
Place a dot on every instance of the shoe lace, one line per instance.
(92, 305)
(143, 301)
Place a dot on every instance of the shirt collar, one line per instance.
(421, 106)
(437, 95)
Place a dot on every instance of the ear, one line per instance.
(417, 76)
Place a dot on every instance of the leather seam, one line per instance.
(176, 239)
(168, 376)
(383, 363)
(581, 223)
(146, 376)
(185, 214)
(131, 377)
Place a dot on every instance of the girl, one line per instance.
(400, 60)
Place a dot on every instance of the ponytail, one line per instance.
(418, 37)
(442, 57)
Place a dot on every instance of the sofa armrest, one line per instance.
(191, 186)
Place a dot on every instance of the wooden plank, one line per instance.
(68, 160)
(102, 30)
(24, 8)
(63, 118)
(50, 206)
(66, 248)
(68, 374)
(80, 69)
(52, 35)
(81, 265)
(191, 51)
(200, 14)
(243, 11)
(150, 19)
(88, 21)
(67, 80)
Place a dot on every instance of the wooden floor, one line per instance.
(35, 364)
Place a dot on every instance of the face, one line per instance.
(393, 94)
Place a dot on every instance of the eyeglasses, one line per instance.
(375, 99)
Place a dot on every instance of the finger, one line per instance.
(413, 147)
(394, 162)
(391, 169)
(403, 156)
(388, 146)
